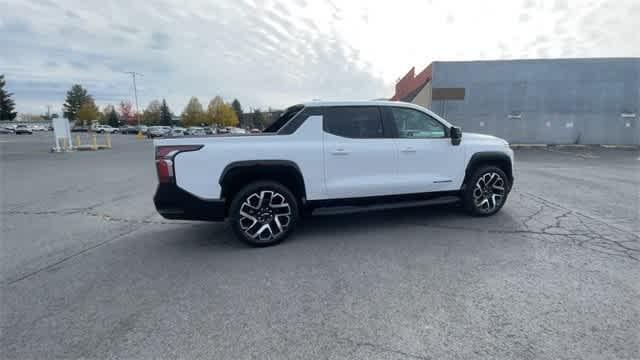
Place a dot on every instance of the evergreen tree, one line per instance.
(76, 97)
(112, 117)
(165, 114)
(238, 110)
(6, 103)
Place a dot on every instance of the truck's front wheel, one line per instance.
(263, 213)
(485, 191)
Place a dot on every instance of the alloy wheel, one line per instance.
(265, 215)
(489, 192)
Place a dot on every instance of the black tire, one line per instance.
(481, 195)
(250, 218)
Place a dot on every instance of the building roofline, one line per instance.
(536, 60)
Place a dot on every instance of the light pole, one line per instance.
(135, 93)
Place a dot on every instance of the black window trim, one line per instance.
(387, 132)
(387, 116)
(291, 126)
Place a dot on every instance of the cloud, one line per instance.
(278, 52)
(561, 5)
(450, 19)
(159, 40)
(126, 28)
(71, 14)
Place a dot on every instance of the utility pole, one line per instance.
(49, 112)
(135, 92)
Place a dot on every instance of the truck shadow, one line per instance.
(330, 226)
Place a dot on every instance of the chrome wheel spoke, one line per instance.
(488, 192)
(264, 216)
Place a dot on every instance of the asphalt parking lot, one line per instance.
(89, 270)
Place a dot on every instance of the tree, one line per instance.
(225, 116)
(88, 112)
(152, 113)
(212, 109)
(106, 116)
(126, 113)
(193, 114)
(259, 119)
(6, 103)
(76, 97)
(111, 116)
(166, 117)
(238, 110)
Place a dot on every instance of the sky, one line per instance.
(275, 53)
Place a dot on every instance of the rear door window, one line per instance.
(356, 122)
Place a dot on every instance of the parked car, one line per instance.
(143, 129)
(235, 130)
(321, 154)
(23, 129)
(101, 129)
(209, 131)
(158, 131)
(195, 131)
(177, 131)
(128, 129)
(79, 128)
(6, 130)
(255, 131)
(223, 130)
(38, 127)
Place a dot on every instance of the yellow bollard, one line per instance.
(77, 140)
(139, 135)
(108, 141)
(94, 142)
(65, 144)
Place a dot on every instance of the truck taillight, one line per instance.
(164, 160)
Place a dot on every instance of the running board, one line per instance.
(386, 206)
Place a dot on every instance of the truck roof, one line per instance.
(375, 103)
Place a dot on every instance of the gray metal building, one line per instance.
(554, 101)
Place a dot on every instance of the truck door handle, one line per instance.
(408, 150)
(340, 152)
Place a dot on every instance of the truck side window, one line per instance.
(357, 122)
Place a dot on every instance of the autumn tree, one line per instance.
(126, 112)
(7, 105)
(88, 112)
(76, 97)
(193, 114)
(152, 113)
(166, 118)
(225, 116)
(212, 109)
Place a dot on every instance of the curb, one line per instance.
(528, 146)
(572, 146)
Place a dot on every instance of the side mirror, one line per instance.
(456, 135)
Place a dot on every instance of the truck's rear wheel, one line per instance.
(263, 213)
(486, 191)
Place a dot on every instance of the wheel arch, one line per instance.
(495, 158)
(240, 173)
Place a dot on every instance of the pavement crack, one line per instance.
(72, 256)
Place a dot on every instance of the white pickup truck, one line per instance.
(322, 154)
